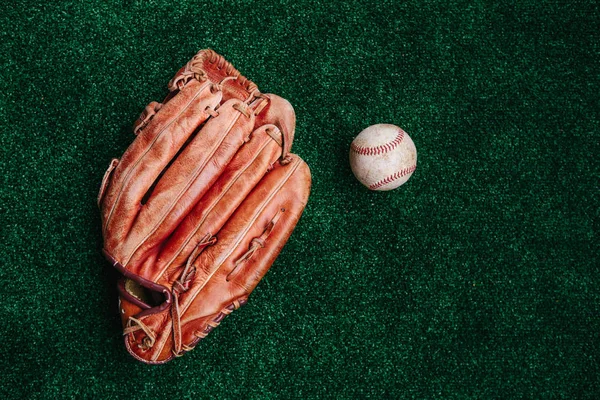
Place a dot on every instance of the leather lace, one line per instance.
(150, 338)
(255, 244)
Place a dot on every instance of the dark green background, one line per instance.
(477, 279)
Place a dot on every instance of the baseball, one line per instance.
(383, 157)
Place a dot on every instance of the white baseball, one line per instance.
(383, 157)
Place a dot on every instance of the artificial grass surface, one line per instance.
(477, 279)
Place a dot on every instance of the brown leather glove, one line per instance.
(199, 206)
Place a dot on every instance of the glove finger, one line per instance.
(148, 155)
(186, 180)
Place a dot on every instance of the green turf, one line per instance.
(477, 279)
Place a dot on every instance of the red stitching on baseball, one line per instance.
(392, 178)
(384, 148)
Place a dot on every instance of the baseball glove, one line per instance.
(199, 206)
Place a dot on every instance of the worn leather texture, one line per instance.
(199, 206)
